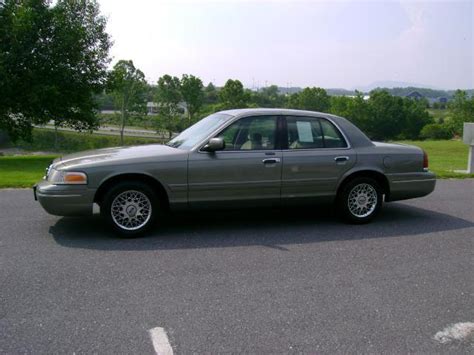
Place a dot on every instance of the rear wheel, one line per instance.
(130, 208)
(360, 200)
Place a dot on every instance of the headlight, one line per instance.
(59, 177)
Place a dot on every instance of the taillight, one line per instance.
(425, 161)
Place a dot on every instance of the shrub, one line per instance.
(436, 131)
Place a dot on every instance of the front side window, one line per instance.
(313, 133)
(251, 133)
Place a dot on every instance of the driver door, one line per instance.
(246, 172)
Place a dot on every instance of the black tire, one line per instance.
(139, 196)
(360, 186)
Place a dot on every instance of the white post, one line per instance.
(468, 138)
(470, 161)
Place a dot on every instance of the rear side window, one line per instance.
(304, 133)
(332, 136)
(313, 133)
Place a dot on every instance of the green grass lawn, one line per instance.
(444, 157)
(22, 171)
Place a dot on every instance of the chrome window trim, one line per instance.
(198, 147)
(348, 142)
(313, 149)
(242, 151)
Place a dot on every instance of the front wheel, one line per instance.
(360, 200)
(130, 208)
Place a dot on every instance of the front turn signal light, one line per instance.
(59, 177)
(75, 178)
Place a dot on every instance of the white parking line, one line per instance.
(456, 332)
(160, 341)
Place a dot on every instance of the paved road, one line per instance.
(115, 131)
(273, 282)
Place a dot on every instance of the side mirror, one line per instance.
(214, 144)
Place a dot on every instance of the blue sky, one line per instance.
(300, 43)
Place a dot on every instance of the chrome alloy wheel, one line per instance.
(362, 200)
(131, 210)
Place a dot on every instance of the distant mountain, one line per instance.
(390, 84)
(340, 92)
(289, 90)
(395, 88)
(330, 91)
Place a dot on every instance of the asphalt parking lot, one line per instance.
(274, 281)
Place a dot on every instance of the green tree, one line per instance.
(386, 115)
(168, 98)
(392, 117)
(293, 101)
(358, 111)
(233, 95)
(211, 95)
(339, 105)
(355, 109)
(461, 110)
(269, 97)
(192, 93)
(313, 99)
(415, 118)
(53, 61)
(129, 88)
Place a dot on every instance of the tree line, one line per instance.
(54, 62)
(381, 116)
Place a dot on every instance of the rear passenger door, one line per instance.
(316, 155)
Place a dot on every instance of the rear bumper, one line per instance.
(65, 200)
(405, 186)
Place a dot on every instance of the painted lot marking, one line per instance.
(456, 332)
(160, 341)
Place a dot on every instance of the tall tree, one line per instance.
(314, 99)
(192, 93)
(358, 111)
(53, 60)
(168, 97)
(211, 95)
(129, 87)
(386, 115)
(233, 95)
(269, 97)
(414, 119)
(461, 109)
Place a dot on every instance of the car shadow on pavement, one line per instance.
(273, 228)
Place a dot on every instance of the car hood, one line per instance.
(111, 156)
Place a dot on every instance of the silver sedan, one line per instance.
(238, 159)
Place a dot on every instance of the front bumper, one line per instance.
(405, 186)
(65, 200)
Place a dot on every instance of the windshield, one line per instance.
(198, 131)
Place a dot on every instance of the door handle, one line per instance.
(271, 161)
(341, 159)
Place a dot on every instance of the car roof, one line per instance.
(275, 111)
